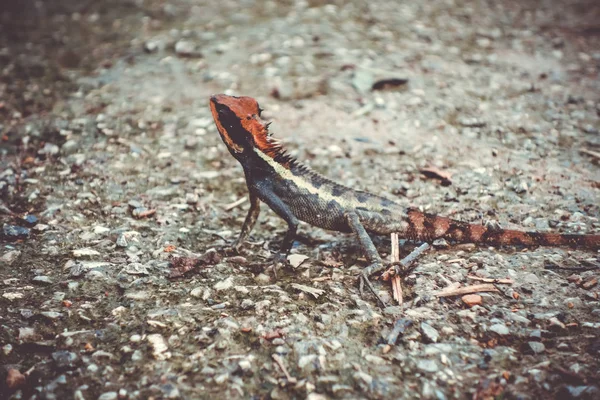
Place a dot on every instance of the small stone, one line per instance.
(136, 269)
(64, 359)
(471, 122)
(296, 259)
(197, 292)
(14, 232)
(427, 365)
(109, 396)
(530, 278)
(85, 252)
(150, 46)
(135, 338)
(472, 299)
(93, 368)
(375, 359)
(137, 355)
(138, 295)
(7, 349)
(121, 241)
(51, 314)
(30, 220)
(224, 285)
(245, 365)
(191, 198)
(159, 346)
(101, 230)
(14, 379)
(26, 334)
(536, 334)
(42, 280)
(50, 149)
(186, 48)
(10, 256)
(262, 279)
(69, 147)
(430, 334)
(499, 329)
(537, 347)
(13, 295)
(247, 304)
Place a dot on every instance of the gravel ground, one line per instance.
(119, 202)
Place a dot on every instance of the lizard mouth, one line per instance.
(220, 115)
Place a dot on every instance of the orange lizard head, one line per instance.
(240, 126)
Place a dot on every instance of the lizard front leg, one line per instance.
(375, 262)
(281, 209)
(249, 222)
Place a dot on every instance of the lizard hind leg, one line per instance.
(375, 262)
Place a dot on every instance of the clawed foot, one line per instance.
(364, 280)
(279, 260)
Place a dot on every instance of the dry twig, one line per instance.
(396, 279)
(506, 281)
(231, 206)
(484, 287)
(279, 362)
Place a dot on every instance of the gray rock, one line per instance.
(109, 396)
(499, 329)
(536, 347)
(64, 359)
(42, 280)
(430, 334)
(427, 365)
(14, 232)
(186, 48)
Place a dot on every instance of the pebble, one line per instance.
(30, 220)
(499, 329)
(430, 334)
(26, 334)
(151, 46)
(536, 347)
(108, 396)
(197, 292)
(121, 241)
(136, 269)
(247, 304)
(10, 256)
(472, 299)
(85, 253)
(51, 314)
(64, 358)
(186, 48)
(14, 232)
(427, 365)
(262, 279)
(224, 284)
(42, 279)
(159, 346)
(191, 198)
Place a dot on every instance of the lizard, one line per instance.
(297, 193)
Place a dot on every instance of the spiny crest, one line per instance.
(264, 140)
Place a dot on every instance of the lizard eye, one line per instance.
(248, 117)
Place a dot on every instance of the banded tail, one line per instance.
(428, 227)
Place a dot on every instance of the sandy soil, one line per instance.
(113, 179)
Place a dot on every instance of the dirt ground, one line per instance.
(119, 202)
